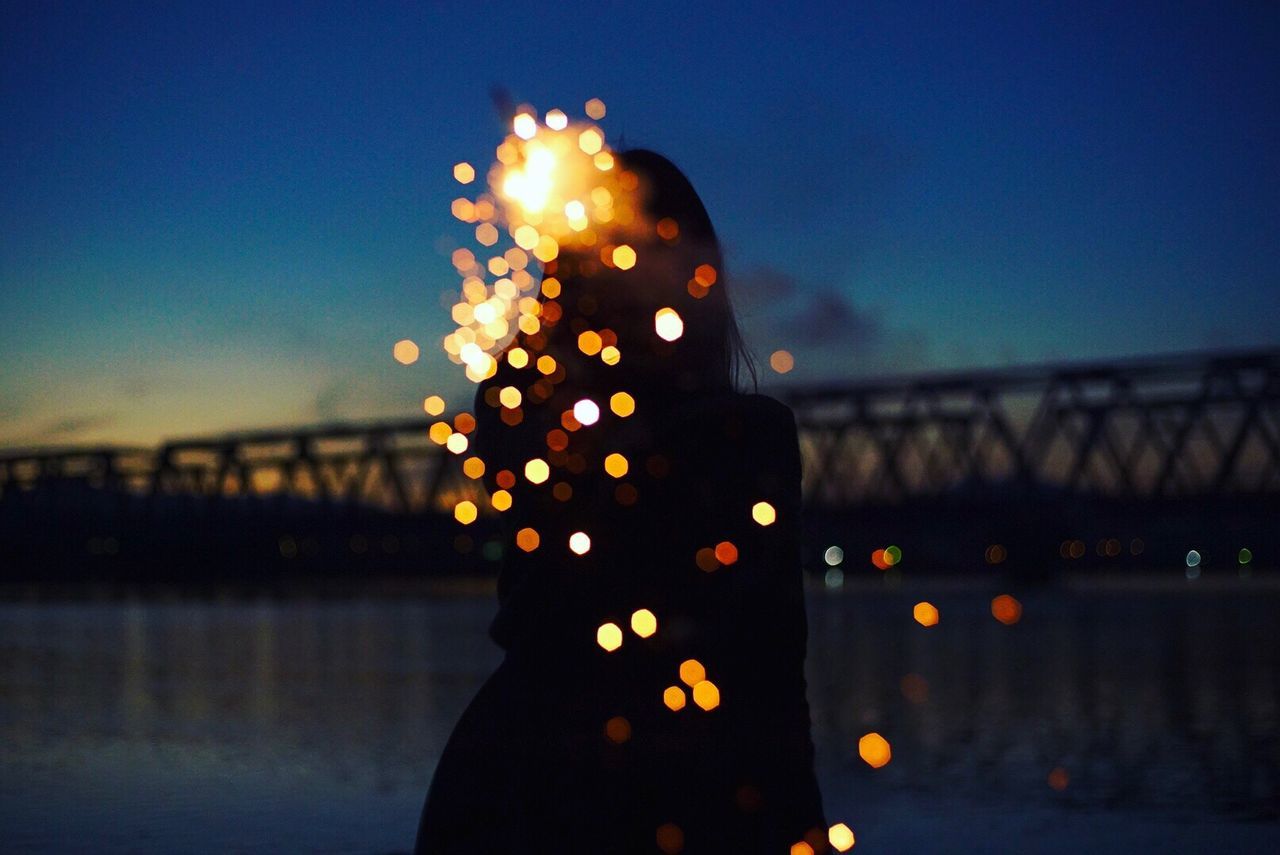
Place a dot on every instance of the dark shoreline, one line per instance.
(460, 585)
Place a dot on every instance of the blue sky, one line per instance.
(222, 215)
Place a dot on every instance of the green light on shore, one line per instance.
(1245, 556)
(894, 554)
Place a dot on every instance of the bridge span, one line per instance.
(1050, 454)
(1183, 425)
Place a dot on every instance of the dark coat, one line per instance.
(531, 766)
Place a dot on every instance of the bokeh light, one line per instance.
(624, 257)
(1059, 778)
(622, 404)
(840, 836)
(670, 838)
(643, 623)
(726, 552)
(537, 471)
(609, 636)
(617, 730)
(616, 465)
(405, 352)
(874, 750)
(782, 361)
(706, 694)
(586, 411)
(925, 613)
(465, 512)
(692, 672)
(528, 539)
(668, 324)
(1006, 609)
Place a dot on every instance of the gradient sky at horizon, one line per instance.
(221, 216)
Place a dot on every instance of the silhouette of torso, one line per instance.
(570, 747)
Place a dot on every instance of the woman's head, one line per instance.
(676, 246)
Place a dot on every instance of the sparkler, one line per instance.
(554, 185)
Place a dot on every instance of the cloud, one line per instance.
(69, 427)
(60, 431)
(831, 335)
(830, 317)
(353, 397)
(774, 302)
(334, 400)
(763, 284)
(13, 404)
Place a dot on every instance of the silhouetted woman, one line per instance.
(693, 736)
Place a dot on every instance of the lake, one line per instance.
(1108, 718)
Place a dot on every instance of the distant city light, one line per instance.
(1193, 558)
(833, 556)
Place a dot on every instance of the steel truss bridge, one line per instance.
(1187, 425)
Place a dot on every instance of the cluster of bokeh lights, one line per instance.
(556, 185)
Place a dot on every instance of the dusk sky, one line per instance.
(220, 216)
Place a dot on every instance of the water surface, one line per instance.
(1112, 721)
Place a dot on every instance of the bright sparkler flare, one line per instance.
(554, 184)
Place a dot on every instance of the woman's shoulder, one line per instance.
(747, 405)
(764, 407)
(735, 419)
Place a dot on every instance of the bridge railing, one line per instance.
(1184, 425)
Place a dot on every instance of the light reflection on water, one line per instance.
(314, 726)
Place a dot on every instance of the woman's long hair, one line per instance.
(711, 354)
